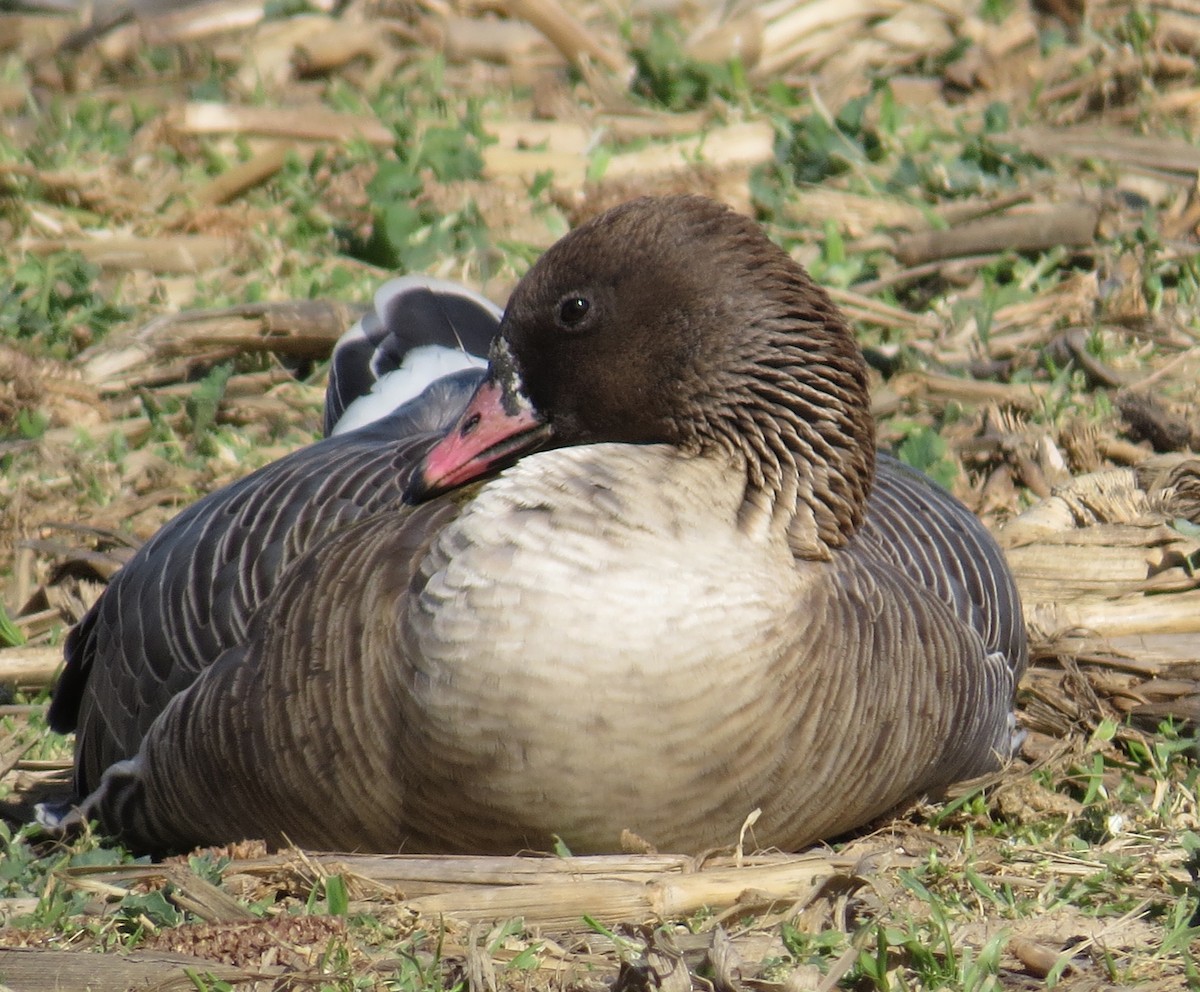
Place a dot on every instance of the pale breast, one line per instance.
(590, 606)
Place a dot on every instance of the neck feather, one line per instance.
(796, 415)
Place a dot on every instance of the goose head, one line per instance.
(676, 321)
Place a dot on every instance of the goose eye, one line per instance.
(572, 310)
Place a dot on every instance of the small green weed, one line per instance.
(29, 868)
(204, 982)
(818, 147)
(812, 948)
(418, 971)
(209, 867)
(926, 450)
(10, 633)
(667, 77)
(202, 407)
(441, 143)
(926, 951)
(337, 897)
(56, 301)
(150, 909)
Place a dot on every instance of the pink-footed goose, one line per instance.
(693, 591)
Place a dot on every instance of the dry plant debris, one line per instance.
(197, 197)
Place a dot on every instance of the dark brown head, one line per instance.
(675, 320)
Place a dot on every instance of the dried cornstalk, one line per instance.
(467, 39)
(419, 875)
(554, 891)
(132, 430)
(1090, 556)
(941, 389)
(39, 969)
(561, 138)
(29, 666)
(637, 126)
(1126, 617)
(236, 180)
(1046, 226)
(857, 214)
(193, 22)
(736, 145)
(339, 43)
(301, 123)
(560, 903)
(1173, 158)
(305, 329)
(181, 253)
(835, 37)
(574, 39)
(273, 53)
(746, 145)
(194, 894)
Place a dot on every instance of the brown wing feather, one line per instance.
(191, 592)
